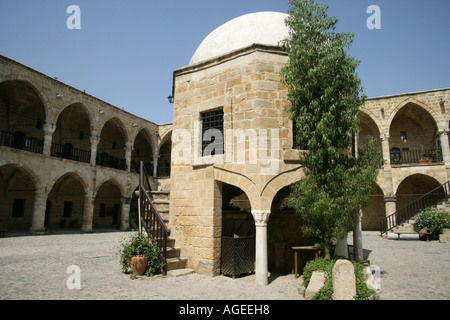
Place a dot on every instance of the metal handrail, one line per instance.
(151, 220)
(410, 210)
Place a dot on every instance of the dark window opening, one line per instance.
(212, 132)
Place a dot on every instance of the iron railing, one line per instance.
(106, 160)
(21, 141)
(150, 218)
(69, 152)
(415, 156)
(410, 210)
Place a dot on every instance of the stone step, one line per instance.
(176, 263)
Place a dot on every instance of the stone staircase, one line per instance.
(408, 226)
(176, 265)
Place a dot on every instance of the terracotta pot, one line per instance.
(138, 265)
(424, 234)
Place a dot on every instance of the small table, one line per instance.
(299, 249)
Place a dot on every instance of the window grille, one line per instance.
(212, 119)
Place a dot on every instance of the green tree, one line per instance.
(325, 96)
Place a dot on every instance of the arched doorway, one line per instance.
(374, 211)
(142, 151)
(108, 206)
(413, 136)
(283, 233)
(414, 186)
(65, 203)
(71, 139)
(22, 116)
(17, 196)
(111, 147)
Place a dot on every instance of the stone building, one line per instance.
(68, 159)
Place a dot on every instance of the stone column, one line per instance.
(49, 129)
(125, 215)
(357, 236)
(386, 149)
(94, 142)
(38, 220)
(445, 148)
(390, 204)
(261, 264)
(128, 147)
(88, 212)
(155, 165)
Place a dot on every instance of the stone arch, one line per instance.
(240, 181)
(143, 150)
(72, 136)
(23, 114)
(369, 127)
(108, 205)
(165, 155)
(66, 201)
(279, 182)
(375, 210)
(413, 133)
(111, 148)
(409, 101)
(18, 187)
(40, 92)
(413, 186)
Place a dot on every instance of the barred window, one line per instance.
(18, 209)
(294, 134)
(212, 132)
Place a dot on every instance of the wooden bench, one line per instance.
(353, 256)
(3, 230)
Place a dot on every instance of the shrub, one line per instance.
(326, 293)
(140, 245)
(433, 220)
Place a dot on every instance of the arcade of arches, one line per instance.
(69, 160)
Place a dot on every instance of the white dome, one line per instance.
(261, 27)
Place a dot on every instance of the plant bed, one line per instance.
(141, 255)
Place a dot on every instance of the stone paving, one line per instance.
(35, 267)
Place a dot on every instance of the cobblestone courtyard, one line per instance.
(35, 267)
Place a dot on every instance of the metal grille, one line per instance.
(238, 256)
(212, 119)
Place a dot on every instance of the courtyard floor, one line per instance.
(36, 268)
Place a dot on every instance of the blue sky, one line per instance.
(126, 51)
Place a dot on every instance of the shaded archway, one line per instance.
(236, 212)
(284, 232)
(164, 158)
(65, 202)
(142, 151)
(107, 206)
(22, 116)
(17, 196)
(374, 211)
(414, 186)
(413, 136)
(71, 139)
(368, 130)
(111, 147)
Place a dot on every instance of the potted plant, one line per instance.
(141, 255)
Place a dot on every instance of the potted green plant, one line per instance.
(141, 255)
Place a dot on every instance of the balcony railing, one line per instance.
(105, 160)
(415, 156)
(21, 141)
(68, 152)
